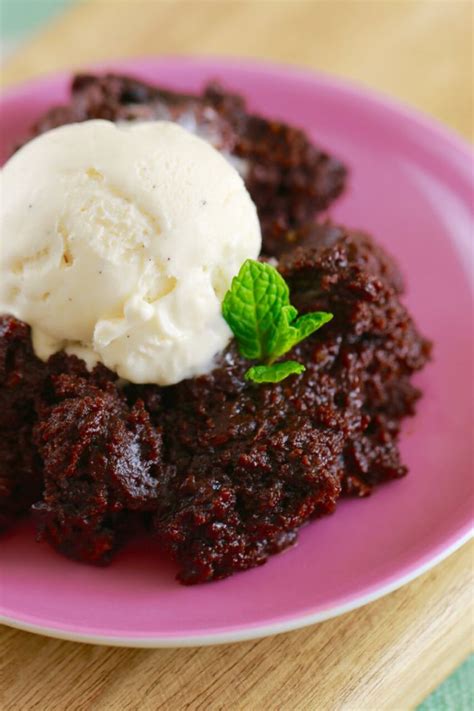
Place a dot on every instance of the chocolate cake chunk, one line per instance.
(361, 250)
(225, 517)
(23, 379)
(253, 465)
(21, 375)
(372, 331)
(288, 177)
(101, 461)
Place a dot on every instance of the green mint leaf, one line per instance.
(283, 335)
(309, 323)
(252, 307)
(273, 373)
(291, 330)
(266, 326)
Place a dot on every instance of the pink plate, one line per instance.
(411, 186)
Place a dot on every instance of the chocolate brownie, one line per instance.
(102, 460)
(21, 375)
(253, 464)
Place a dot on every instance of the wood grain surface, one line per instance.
(417, 50)
(390, 654)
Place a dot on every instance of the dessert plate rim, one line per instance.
(239, 635)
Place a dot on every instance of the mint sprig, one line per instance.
(273, 373)
(266, 326)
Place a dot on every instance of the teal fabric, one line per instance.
(17, 19)
(456, 693)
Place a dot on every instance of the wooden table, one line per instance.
(390, 654)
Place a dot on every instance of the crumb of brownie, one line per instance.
(372, 328)
(102, 460)
(21, 375)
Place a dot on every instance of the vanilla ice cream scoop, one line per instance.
(118, 244)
